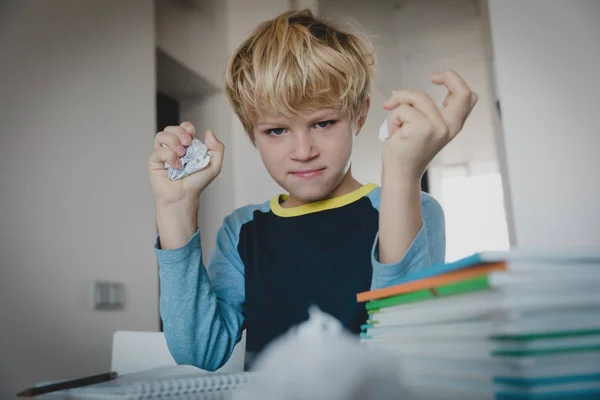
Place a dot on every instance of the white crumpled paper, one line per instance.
(319, 360)
(196, 158)
(384, 132)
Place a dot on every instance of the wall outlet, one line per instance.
(108, 296)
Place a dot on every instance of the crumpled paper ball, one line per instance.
(384, 133)
(319, 360)
(196, 157)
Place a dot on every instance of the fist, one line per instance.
(419, 129)
(169, 146)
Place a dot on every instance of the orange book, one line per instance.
(433, 281)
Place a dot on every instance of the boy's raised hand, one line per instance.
(168, 192)
(419, 129)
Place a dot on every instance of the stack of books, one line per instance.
(495, 325)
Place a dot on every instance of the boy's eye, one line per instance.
(325, 124)
(318, 125)
(275, 131)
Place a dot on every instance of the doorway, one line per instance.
(167, 114)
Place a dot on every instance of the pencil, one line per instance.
(54, 387)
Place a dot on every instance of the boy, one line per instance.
(301, 90)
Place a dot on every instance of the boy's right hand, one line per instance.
(188, 189)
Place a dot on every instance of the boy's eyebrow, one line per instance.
(317, 116)
(270, 122)
(326, 114)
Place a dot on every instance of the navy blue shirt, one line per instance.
(270, 264)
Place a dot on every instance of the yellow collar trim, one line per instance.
(320, 205)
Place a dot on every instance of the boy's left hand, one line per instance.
(419, 129)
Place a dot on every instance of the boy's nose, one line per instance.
(304, 147)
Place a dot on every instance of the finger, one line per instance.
(453, 82)
(154, 161)
(189, 128)
(211, 141)
(458, 102)
(161, 155)
(216, 147)
(419, 100)
(403, 116)
(474, 98)
(457, 88)
(181, 133)
(166, 154)
(170, 140)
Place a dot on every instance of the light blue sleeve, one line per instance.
(202, 310)
(428, 246)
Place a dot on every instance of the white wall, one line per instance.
(546, 59)
(77, 114)
(194, 33)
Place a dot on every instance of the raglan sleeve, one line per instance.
(202, 309)
(427, 248)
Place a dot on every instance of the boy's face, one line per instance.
(308, 154)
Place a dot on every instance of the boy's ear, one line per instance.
(363, 116)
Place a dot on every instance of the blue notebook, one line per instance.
(438, 269)
(518, 255)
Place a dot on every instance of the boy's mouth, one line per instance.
(308, 173)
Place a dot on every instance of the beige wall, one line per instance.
(547, 84)
(77, 117)
(194, 33)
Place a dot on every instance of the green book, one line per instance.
(558, 334)
(541, 352)
(450, 289)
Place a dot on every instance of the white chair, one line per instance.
(134, 351)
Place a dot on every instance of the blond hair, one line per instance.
(298, 63)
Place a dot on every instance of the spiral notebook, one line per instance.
(171, 382)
